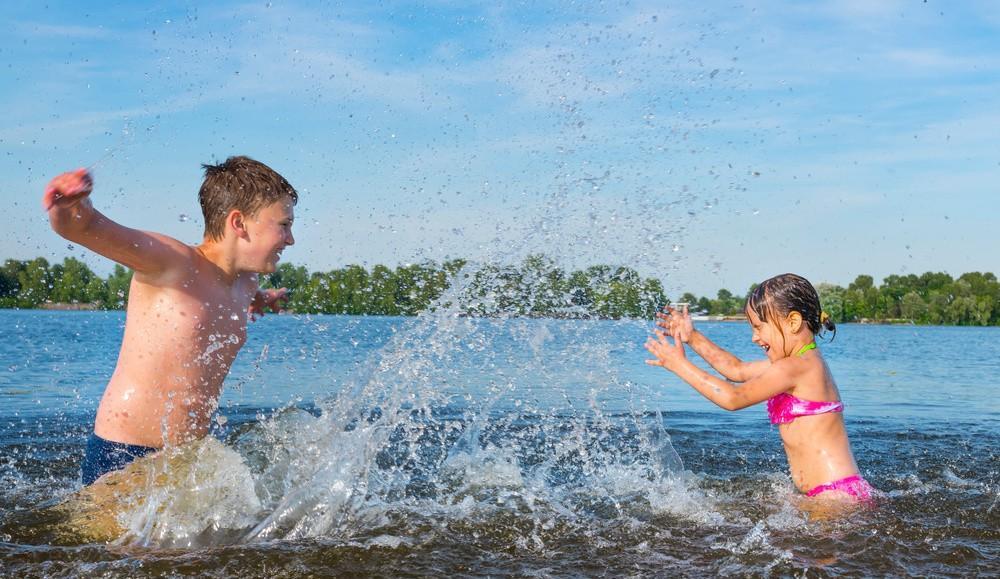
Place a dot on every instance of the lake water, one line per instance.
(451, 446)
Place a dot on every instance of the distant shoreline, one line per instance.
(86, 306)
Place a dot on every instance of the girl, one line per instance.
(802, 398)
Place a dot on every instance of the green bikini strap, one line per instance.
(806, 348)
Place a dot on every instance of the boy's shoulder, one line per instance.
(183, 249)
(180, 254)
(186, 263)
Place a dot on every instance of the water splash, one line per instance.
(405, 436)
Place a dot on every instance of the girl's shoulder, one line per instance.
(811, 376)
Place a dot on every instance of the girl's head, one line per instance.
(788, 302)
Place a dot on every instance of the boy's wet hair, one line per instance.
(786, 293)
(239, 183)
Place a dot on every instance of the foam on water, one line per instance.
(211, 498)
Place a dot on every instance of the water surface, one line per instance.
(456, 446)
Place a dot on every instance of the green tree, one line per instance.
(543, 286)
(71, 282)
(892, 290)
(937, 308)
(690, 299)
(9, 285)
(35, 283)
(652, 298)
(932, 282)
(623, 296)
(579, 290)
(118, 285)
(913, 307)
(383, 292)
(861, 299)
(831, 298)
(96, 291)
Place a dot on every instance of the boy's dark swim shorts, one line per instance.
(104, 456)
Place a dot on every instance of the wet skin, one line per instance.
(187, 312)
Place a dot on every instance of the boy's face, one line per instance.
(270, 231)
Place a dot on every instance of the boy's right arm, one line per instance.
(72, 216)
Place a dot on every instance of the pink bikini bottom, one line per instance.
(853, 485)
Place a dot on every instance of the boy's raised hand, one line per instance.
(67, 189)
(266, 299)
(669, 355)
(677, 323)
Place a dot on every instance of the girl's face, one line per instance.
(768, 335)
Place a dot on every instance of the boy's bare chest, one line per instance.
(205, 320)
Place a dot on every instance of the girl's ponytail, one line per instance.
(827, 323)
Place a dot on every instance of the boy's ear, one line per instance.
(794, 321)
(236, 221)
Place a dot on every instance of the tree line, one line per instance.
(932, 298)
(34, 283)
(535, 287)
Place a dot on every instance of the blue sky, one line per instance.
(711, 144)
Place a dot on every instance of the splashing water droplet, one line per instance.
(183, 217)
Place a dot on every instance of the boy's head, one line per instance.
(243, 184)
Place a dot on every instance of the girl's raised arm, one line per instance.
(678, 323)
(776, 378)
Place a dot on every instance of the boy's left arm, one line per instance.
(267, 299)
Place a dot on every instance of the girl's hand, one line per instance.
(669, 355)
(67, 189)
(677, 323)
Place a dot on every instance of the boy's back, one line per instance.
(188, 305)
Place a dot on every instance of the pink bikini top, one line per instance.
(784, 408)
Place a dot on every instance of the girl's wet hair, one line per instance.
(786, 293)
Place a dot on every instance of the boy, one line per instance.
(187, 311)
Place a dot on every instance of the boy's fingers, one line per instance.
(49, 197)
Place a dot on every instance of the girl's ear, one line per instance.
(794, 321)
